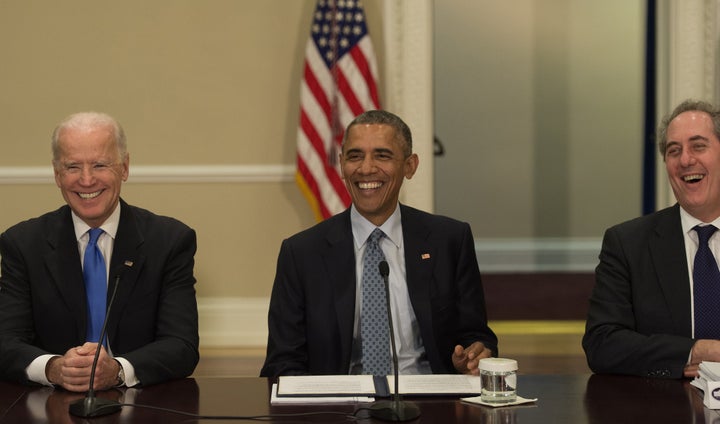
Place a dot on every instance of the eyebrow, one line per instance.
(376, 150)
(693, 138)
(698, 137)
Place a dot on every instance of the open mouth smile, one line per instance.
(88, 196)
(369, 185)
(693, 178)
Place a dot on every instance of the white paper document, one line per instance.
(435, 384)
(318, 400)
(326, 385)
(367, 385)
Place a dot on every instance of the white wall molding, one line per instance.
(537, 255)
(233, 321)
(166, 174)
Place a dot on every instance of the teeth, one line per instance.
(89, 195)
(694, 177)
(370, 185)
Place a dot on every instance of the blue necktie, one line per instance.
(706, 287)
(374, 329)
(95, 277)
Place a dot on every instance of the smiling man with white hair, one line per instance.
(59, 270)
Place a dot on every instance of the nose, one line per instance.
(687, 158)
(367, 166)
(87, 175)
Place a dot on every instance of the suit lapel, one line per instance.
(125, 264)
(667, 249)
(64, 267)
(419, 264)
(339, 260)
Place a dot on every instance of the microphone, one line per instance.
(92, 406)
(395, 409)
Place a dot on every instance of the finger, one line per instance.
(88, 348)
(691, 371)
(459, 351)
(78, 361)
(486, 353)
(75, 372)
(76, 387)
(475, 349)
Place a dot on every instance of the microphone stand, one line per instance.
(92, 406)
(395, 409)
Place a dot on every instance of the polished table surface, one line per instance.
(561, 399)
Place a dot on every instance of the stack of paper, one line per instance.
(709, 382)
(363, 388)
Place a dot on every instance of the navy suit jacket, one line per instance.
(639, 320)
(153, 321)
(312, 308)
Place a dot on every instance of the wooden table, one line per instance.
(561, 399)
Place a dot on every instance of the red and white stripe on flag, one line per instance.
(339, 82)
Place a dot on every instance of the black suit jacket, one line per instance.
(153, 321)
(639, 320)
(312, 308)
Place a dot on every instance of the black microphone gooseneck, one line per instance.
(90, 405)
(395, 409)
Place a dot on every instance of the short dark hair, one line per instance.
(402, 131)
(687, 106)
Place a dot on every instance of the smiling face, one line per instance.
(373, 167)
(90, 171)
(692, 161)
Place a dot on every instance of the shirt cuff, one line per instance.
(130, 377)
(36, 370)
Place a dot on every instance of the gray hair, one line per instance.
(402, 131)
(87, 120)
(687, 106)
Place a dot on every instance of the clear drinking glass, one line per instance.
(498, 378)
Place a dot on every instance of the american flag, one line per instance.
(339, 83)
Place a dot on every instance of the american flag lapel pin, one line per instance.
(425, 256)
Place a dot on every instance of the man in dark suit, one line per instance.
(437, 298)
(643, 314)
(152, 330)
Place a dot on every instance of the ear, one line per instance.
(341, 161)
(411, 165)
(126, 167)
(56, 171)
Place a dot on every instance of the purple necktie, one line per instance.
(706, 287)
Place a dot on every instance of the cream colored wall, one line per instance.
(540, 106)
(204, 84)
(201, 83)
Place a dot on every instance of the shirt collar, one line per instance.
(689, 222)
(110, 225)
(361, 227)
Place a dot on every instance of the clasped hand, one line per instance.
(72, 370)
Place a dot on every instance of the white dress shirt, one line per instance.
(36, 370)
(691, 247)
(409, 343)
